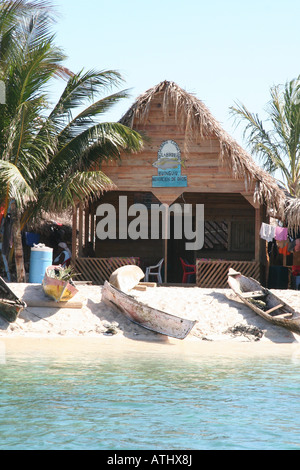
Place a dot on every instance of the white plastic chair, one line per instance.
(154, 271)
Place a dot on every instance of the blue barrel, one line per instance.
(40, 259)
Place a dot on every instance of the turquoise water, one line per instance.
(156, 397)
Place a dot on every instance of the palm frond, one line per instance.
(258, 138)
(278, 148)
(78, 186)
(14, 15)
(82, 87)
(55, 154)
(100, 142)
(87, 117)
(17, 187)
(261, 142)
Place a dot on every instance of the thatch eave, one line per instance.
(198, 122)
(292, 213)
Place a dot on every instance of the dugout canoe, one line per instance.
(263, 302)
(10, 304)
(146, 316)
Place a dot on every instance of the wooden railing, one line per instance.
(97, 270)
(213, 273)
(209, 273)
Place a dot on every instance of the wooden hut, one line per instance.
(211, 171)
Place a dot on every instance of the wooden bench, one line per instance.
(274, 308)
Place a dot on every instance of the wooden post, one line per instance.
(80, 235)
(257, 236)
(74, 231)
(93, 226)
(166, 246)
(17, 239)
(86, 225)
(166, 260)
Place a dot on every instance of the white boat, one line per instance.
(146, 316)
(263, 302)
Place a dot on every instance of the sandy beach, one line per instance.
(220, 315)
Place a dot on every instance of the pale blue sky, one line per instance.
(220, 50)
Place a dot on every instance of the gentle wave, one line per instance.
(149, 401)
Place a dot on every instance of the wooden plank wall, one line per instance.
(202, 165)
(208, 182)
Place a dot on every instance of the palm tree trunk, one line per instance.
(18, 247)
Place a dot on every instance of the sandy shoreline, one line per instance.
(218, 313)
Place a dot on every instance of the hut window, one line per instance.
(215, 235)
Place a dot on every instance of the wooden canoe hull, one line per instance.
(58, 290)
(276, 311)
(146, 316)
(10, 304)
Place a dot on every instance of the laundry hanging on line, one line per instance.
(267, 232)
(281, 233)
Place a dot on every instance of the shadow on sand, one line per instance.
(254, 320)
(117, 321)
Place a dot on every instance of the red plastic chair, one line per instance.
(188, 269)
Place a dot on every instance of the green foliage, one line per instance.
(278, 147)
(64, 274)
(47, 156)
(51, 158)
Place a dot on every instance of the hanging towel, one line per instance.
(281, 233)
(267, 232)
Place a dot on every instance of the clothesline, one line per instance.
(268, 232)
(285, 242)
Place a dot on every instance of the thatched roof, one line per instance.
(292, 213)
(198, 122)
